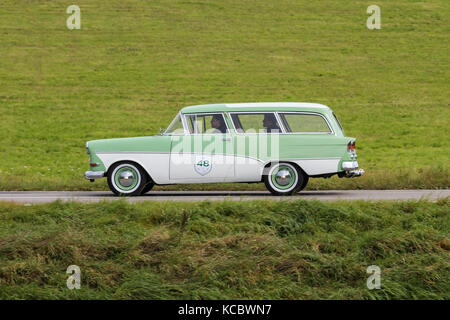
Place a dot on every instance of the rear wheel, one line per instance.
(284, 179)
(126, 179)
(149, 186)
(305, 182)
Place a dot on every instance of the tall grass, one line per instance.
(226, 250)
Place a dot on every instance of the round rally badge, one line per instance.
(203, 165)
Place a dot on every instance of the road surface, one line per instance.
(327, 195)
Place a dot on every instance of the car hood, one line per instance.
(135, 144)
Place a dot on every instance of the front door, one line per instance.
(205, 153)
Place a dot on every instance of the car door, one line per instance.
(205, 152)
(256, 142)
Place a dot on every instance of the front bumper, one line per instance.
(91, 175)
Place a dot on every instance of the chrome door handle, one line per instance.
(226, 139)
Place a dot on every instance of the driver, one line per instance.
(218, 124)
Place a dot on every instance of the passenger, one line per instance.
(218, 124)
(270, 123)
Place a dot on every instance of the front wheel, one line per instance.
(284, 179)
(126, 179)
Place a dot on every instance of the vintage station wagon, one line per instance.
(282, 144)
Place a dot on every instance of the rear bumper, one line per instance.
(354, 173)
(90, 175)
(351, 169)
(349, 165)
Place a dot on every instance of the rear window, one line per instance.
(304, 123)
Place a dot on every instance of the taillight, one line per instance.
(351, 146)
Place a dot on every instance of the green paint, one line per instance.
(291, 146)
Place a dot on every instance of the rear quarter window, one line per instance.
(304, 123)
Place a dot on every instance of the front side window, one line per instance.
(176, 127)
(256, 122)
(304, 123)
(207, 123)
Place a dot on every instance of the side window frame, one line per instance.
(284, 121)
(187, 117)
(275, 114)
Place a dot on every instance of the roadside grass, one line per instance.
(226, 250)
(133, 65)
(406, 178)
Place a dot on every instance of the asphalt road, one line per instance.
(327, 195)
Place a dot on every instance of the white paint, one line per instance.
(318, 166)
(183, 167)
(156, 164)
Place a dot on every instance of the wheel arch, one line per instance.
(108, 171)
(269, 164)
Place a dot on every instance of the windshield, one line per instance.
(176, 127)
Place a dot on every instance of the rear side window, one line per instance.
(304, 123)
(264, 122)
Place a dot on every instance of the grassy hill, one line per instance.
(226, 250)
(134, 64)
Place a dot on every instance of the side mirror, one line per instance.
(160, 132)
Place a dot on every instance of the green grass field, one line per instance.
(226, 250)
(133, 65)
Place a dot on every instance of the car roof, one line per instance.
(256, 106)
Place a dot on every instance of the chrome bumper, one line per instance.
(354, 173)
(349, 165)
(91, 175)
(351, 169)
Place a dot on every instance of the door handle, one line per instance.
(226, 139)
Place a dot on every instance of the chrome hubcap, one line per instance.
(126, 178)
(283, 177)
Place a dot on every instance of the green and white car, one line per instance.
(282, 144)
